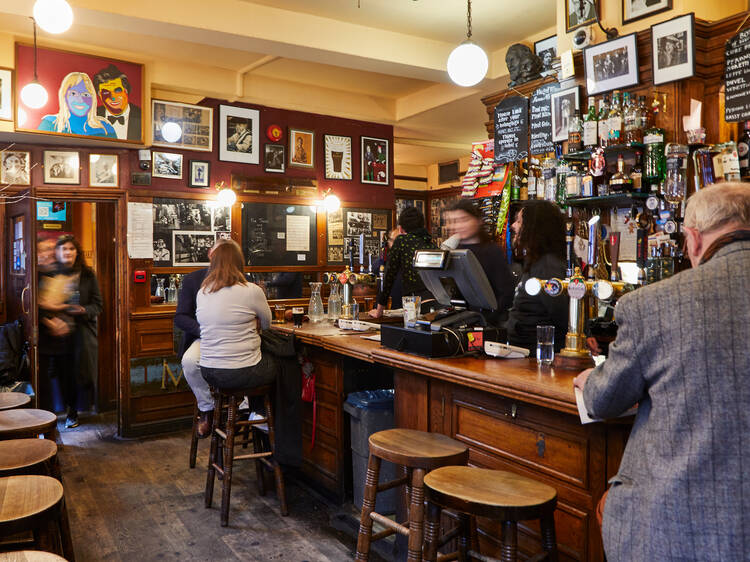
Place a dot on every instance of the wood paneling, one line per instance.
(151, 337)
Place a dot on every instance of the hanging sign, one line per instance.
(737, 72)
(540, 119)
(511, 130)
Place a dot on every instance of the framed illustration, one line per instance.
(374, 161)
(301, 148)
(6, 94)
(89, 96)
(274, 159)
(238, 134)
(15, 168)
(564, 104)
(579, 13)
(196, 125)
(611, 65)
(338, 153)
(62, 166)
(191, 248)
(673, 49)
(546, 49)
(199, 173)
(103, 170)
(166, 165)
(633, 10)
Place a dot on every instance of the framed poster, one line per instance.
(15, 168)
(633, 10)
(611, 65)
(274, 159)
(103, 170)
(238, 134)
(338, 154)
(166, 165)
(579, 13)
(374, 161)
(6, 94)
(62, 166)
(196, 125)
(673, 49)
(301, 148)
(564, 104)
(546, 49)
(199, 173)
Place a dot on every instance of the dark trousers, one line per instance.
(246, 377)
(61, 367)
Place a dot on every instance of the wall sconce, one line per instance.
(226, 196)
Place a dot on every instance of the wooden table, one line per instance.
(10, 400)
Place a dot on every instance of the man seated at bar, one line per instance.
(682, 491)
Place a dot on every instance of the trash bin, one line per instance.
(370, 411)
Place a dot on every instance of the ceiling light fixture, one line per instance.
(53, 16)
(171, 131)
(33, 94)
(468, 63)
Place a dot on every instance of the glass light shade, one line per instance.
(171, 131)
(53, 16)
(226, 197)
(331, 203)
(467, 64)
(34, 95)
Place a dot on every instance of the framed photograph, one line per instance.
(546, 49)
(15, 168)
(104, 170)
(301, 148)
(274, 159)
(162, 248)
(358, 223)
(6, 94)
(633, 10)
(673, 49)
(579, 13)
(238, 134)
(62, 166)
(103, 97)
(166, 165)
(564, 104)
(338, 157)
(191, 248)
(196, 125)
(375, 164)
(199, 173)
(612, 65)
(221, 219)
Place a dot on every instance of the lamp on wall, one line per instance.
(53, 16)
(467, 63)
(33, 94)
(330, 202)
(226, 196)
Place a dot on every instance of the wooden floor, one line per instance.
(138, 501)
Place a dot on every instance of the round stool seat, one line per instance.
(25, 422)
(10, 400)
(30, 556)
(26, 499)
(417, 449)
(19, 454)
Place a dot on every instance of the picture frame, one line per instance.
(633, 10)
(239, 139)
(673, 49)
(301, 148)
(195, 121)
(6, 94)
(338, 157)
(564, 103)
(190, 248)
(374, 161)
(274, 158)
(104, 170)
(15, 168)
(579, 13)
(546, 49)
(62, 167)
(612, 65)
(166, 165)
(200, 174)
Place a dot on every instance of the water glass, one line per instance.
(411, 305)
(545, 345)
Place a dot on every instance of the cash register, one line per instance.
(457, 281)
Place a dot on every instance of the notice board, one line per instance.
(279, 234)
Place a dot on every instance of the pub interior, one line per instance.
(376, 249)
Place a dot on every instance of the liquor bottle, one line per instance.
(675, 186)
(534, 178)
(620, 182)
(603, 123)
(644, 117)
(573, 182)
(615, 120)
(598, 169)
(654, 162)
(636, 173)
(590, 126)
(575, 133)
(730, 161)
(639, 109)
(562, 176)
(549, 178)
(515, 189)
(743, 152)
(630, 117)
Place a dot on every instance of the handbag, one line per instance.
(308, 390)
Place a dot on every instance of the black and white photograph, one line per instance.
(673, 48)
(353, 243)
(633, 10)
(546, 49)
(338, 156)
(166, 165)
(166, 215)
(61, 166)
(182, 214)
(15, 168)
(181, 125)
(238, 134)
(274, 158)
(580, 13)
(199, 173)
(611, 65)
(564, 105)
(335, 254)
(103, 170)
(358, 223)
(380, 220)
(372, 247)
(162, 248)
(191, 248)
(223, 235)
(6, 94)
(221, 219)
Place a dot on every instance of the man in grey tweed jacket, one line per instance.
(683, 355)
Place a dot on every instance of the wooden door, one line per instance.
(106, 273)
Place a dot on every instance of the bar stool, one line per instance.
(27, 422)
(194, 436)
(418, 452)
(224, 432)
(29, 456)
(495, 494)
(11, 400)
(30, 556)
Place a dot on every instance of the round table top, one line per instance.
(30, 556)
(10, 400)
(27, 495)
(26, 420)
(16, 454)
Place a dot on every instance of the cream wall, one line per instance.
(409, 171)
(433, 175)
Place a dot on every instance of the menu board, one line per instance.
(737, 72)
(511, 130)
(540, 119)
(279, 234)
(347, 224)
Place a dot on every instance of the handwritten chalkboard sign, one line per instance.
(511, 130)
(540, 119)
(279, 235)
(737, 72)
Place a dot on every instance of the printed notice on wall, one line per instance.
(622, 222)
(737, 72)
(297, 233)
(140, 231)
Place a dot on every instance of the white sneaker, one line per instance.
(245, 404)
(256, 416)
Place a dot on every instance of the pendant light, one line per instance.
(53, 16)
(468, 63)
(33, 94)
(171, 131)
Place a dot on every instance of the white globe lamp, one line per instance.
(171, 131)
(53, 16)
(226, 197)
(331, 203)
(34, 95)
(468, 64)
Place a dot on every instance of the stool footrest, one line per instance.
(382, 534)
(221, 433)
(481, 557)
(392, 484)
(447, 557)
(390, 524)
(449, 536)
(252, 456)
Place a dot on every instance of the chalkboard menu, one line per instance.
(540, 119)
(511, 130)
(737, 72)
(276, 234)
(348, 223)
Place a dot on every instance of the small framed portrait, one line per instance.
(546, 49)
(181, 125)
(611, 65)
(274, 159)
(199, 173)
(579, 13)
(15, 168)
(564, 104)
(6, 94)
(673, 49)
(338, 157)
(62, 166)
(238, 134)
(166, 165)
(375, 161)
(103, 170)
(301, 148)
(633, 10)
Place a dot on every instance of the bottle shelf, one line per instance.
(584, 155)
(611, 200)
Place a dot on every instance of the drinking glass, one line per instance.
(545, 345)
(279, 310)
(411, 305)
(298, 313)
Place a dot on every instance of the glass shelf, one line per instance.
(611, 200)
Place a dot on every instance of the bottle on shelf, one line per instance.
(743, 152)
(603, 122)
(630, 119)
(636, 173)
(573, 182)
(654, 162)
(730, 161)
(644, 116)
(598, 169)
(620, 182)
(575, 133)
(549, 177)
(675, 184)
(561, 190)
(534, 178)
(615, 120)
(515, 186)
(591, 126)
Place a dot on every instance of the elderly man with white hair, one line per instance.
(682, 354)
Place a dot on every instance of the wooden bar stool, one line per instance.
(36, 503)
(11, 400)
(30, 556)
(495, 494)
(27, 422)
(227, 431)
(29, 456)
(194, 436)
(418, 452)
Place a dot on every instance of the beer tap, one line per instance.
(614, 255)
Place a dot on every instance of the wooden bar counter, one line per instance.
(511, 414)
